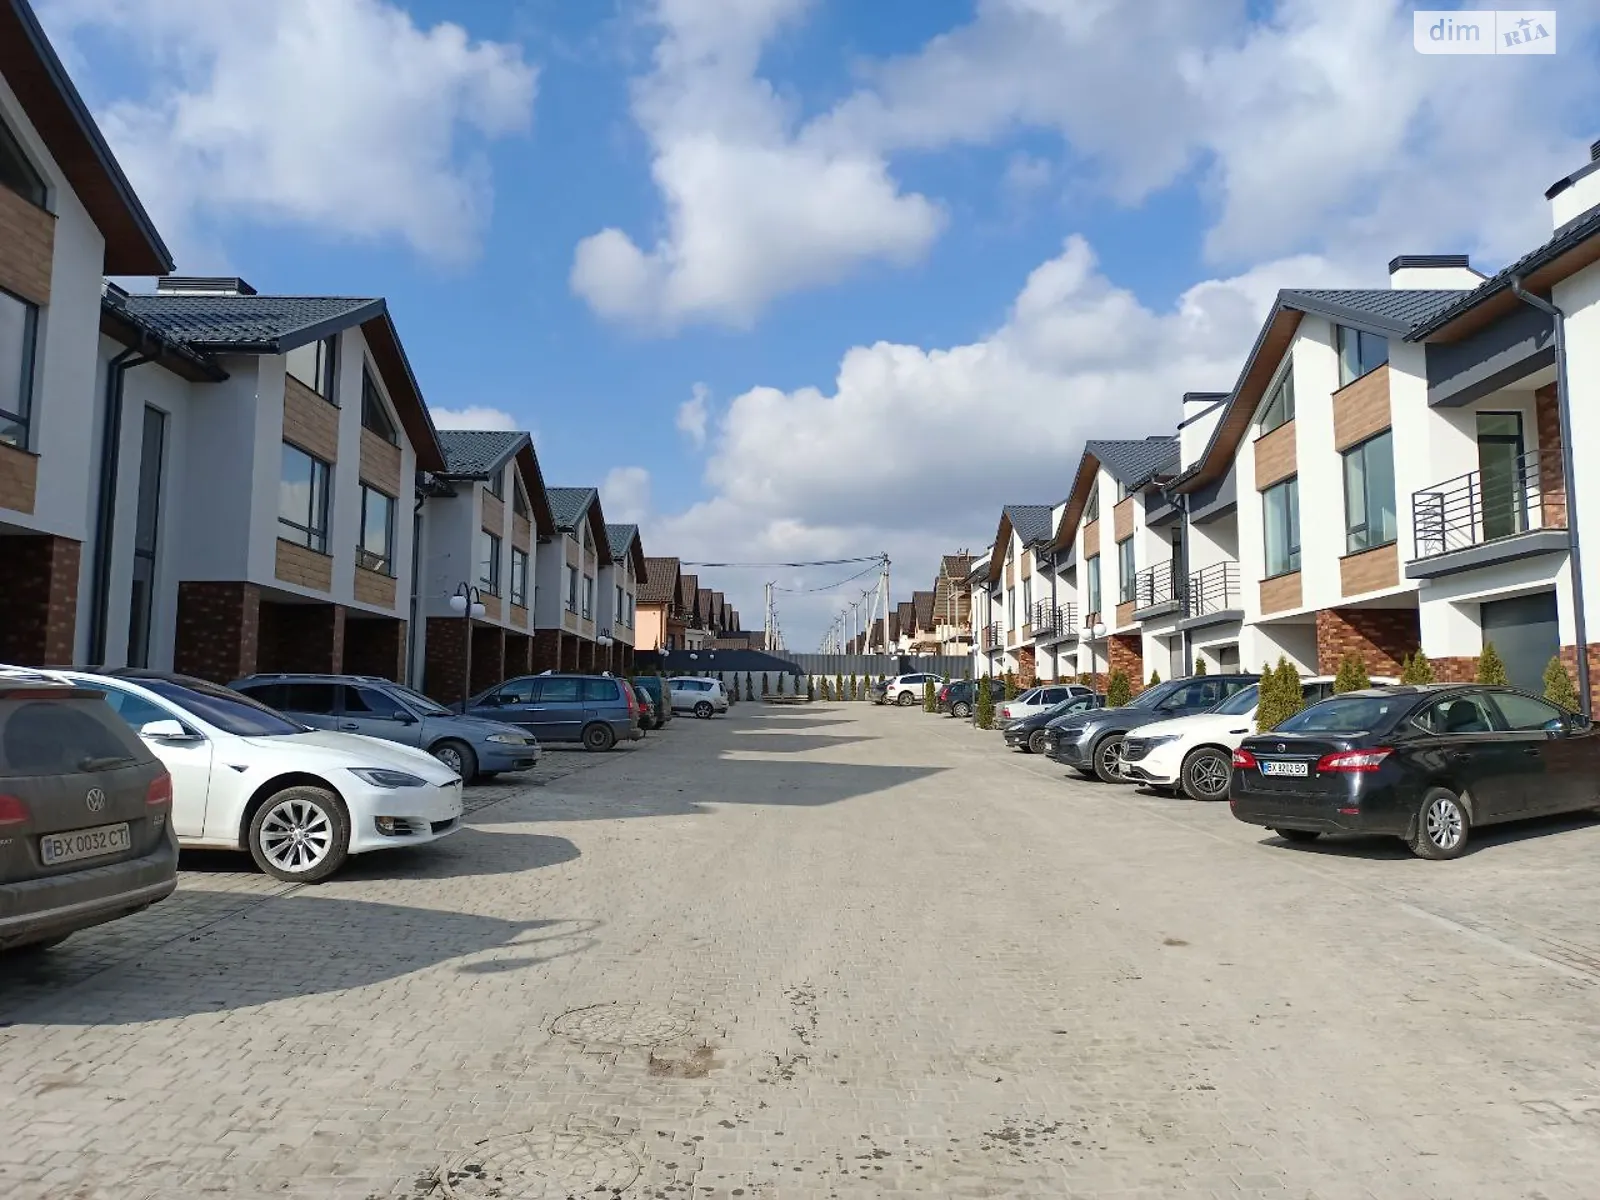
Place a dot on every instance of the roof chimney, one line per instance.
(203, 285)
(1424, 271)
(1574, 196)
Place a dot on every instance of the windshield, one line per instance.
(1347, 714)
(224, 708)
(1151, 697)
(420, 702)
(1240, 703)
(1072, 704)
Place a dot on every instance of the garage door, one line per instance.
(1526, 634)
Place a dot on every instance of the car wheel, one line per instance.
(598, 737)
(300, 835)
(1442, 826)
(1105, 758)
(1206, 774)
(961, 709)
(703, 710)
(458, 756)
(1036, 741)
(906, 700)
(1302, 836)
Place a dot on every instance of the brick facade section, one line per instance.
(444, 660)
(1552, 481)
(219, 630)
(1027, 667)
(1126, 653)
(547, 650)
(375, 646)
(19, 478)
(519, 655)
(1383, 637)
(488, 657)
(1460, 669)
(1569, 659)
(301, 637)
(39, 600)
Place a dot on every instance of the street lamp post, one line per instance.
(469, 603)
(603, 640)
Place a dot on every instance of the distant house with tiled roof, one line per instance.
(661, 619)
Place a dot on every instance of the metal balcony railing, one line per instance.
(993, 638)
(1154, 586)
(1054, 620)
(1213, 589)
(1471, 509)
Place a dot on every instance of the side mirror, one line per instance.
(403, 717)
(166, 731)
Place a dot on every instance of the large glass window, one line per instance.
(1093, 572)
(488, 562)
(303, 500)
(1279, 407)
(374, 412)
(1125, 570)
(1091, 506)
(572, 588)
(588, 597)
(1359, 353)
(376, 549)
(16, 172)
(312, 365)
(1369, 518)
(519, 498)
(496, 483)
(519, 577)
(19, 323)
(141, 598)
(1280, 508)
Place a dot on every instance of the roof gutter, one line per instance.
(1568, 470)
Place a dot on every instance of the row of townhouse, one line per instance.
(938, 621)
(1393, 469)
(206, 479)
(676, 613)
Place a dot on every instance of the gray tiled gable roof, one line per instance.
(1395, 310)
(478, 451)
(621, 537)
(1131, 463)
(569, 504)
(1030, 521)
(269, 324)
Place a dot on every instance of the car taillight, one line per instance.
(159, 791)
(12, 810)
(1348, 762)
(1243, 760)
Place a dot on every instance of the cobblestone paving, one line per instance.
(826, 952)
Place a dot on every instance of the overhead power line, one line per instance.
(768, 566)
(869, 569)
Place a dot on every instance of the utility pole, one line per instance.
(885, 585)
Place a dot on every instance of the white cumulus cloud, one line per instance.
(625, 497)
(692, 415)
(473, 417)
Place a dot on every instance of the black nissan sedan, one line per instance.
(1423, 764)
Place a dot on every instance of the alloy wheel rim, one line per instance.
(1444, 824)
(1209, 776)
(450, 757)
(296, 835)
(1108, 758)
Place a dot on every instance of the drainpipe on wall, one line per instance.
(1180, 585)
(105, 521)
(1564, 413)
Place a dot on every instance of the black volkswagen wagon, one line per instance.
(1424, 764)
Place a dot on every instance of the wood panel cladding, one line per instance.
(1280, 593)
(302, 566)
(494, 514)
(491, 606)
(380, 463)
(1370, 570)
(19, 478)
(519, 615)
(1125, 613)
(521, 532)
(1091, 538)
(1275, 456)
(1122, 518)
(309, 421)
(374, 588)
(27, 248)
(1025, 564)
(1361, 408)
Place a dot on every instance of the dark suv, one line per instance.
(1089, 742)
(380, 708)
(596, 710)
(956, 697)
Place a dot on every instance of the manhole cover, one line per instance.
(543, 1164)
(621, 1025)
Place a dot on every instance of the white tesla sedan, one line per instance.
(300, 800)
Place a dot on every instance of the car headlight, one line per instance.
(508, 739)
(1161, 739)
(384, 778)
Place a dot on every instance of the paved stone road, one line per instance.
(827, 952)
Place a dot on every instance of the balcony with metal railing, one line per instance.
(1213, 592)
(1481, 518)
(993, 637)
(1054, 622)
(1156, 592)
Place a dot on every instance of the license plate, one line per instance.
(84, 843)
(1297, 769)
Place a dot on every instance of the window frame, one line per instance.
(22, 418)
(1352, 530)
(587, 612)
(1350, 372)
(326, 363)
(1092, 585)
(571, 600)
(1091, 506)
(519, 577)
(314, 535)
(1292, 552)
(1278, 409)
(519, 498)
(375, 408)
(491, 582)
(495, 484)
(1127, 571)
(364, 554)
(11, 148)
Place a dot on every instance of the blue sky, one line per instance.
(914, 251)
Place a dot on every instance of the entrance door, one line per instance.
(1526, 634)
(142, 598)
(1504, 491)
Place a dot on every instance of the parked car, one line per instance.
(1192, 754)
(1036, 699)
(906, 690)
(85, 814)
(660, 694)
(596, 710)
(702, 697)
(956, 697)
(647, 707)
(1029, 733)
(300, 800)
(1091, 742)
(380, 708)
(1423, 764)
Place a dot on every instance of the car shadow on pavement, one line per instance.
(463, 855)
(765, 742)
(1483, 840)
(301, 944)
